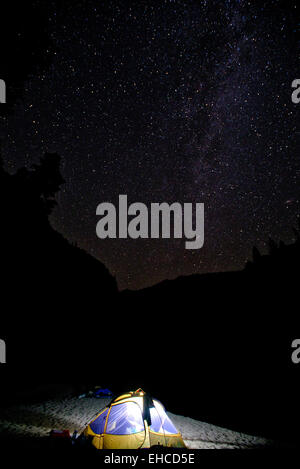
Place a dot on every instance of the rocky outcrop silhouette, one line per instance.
(54, 292)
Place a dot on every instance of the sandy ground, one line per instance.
(36, 420)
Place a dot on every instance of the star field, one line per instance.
(168, 101)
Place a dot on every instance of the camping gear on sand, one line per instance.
(60, 439)
(132, 421)
(99, 393)
(60, 434)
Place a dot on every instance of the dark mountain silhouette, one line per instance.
(226, 337)
(54, 293)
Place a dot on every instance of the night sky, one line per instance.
(168, 101)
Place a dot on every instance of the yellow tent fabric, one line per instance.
(132, 421)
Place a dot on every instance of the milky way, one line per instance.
(168, 101)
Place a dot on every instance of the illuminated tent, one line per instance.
(132, 421)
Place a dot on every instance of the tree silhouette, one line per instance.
(256, 254)
(272, 246)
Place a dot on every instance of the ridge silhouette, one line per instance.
(226, 337)
(50, 288)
